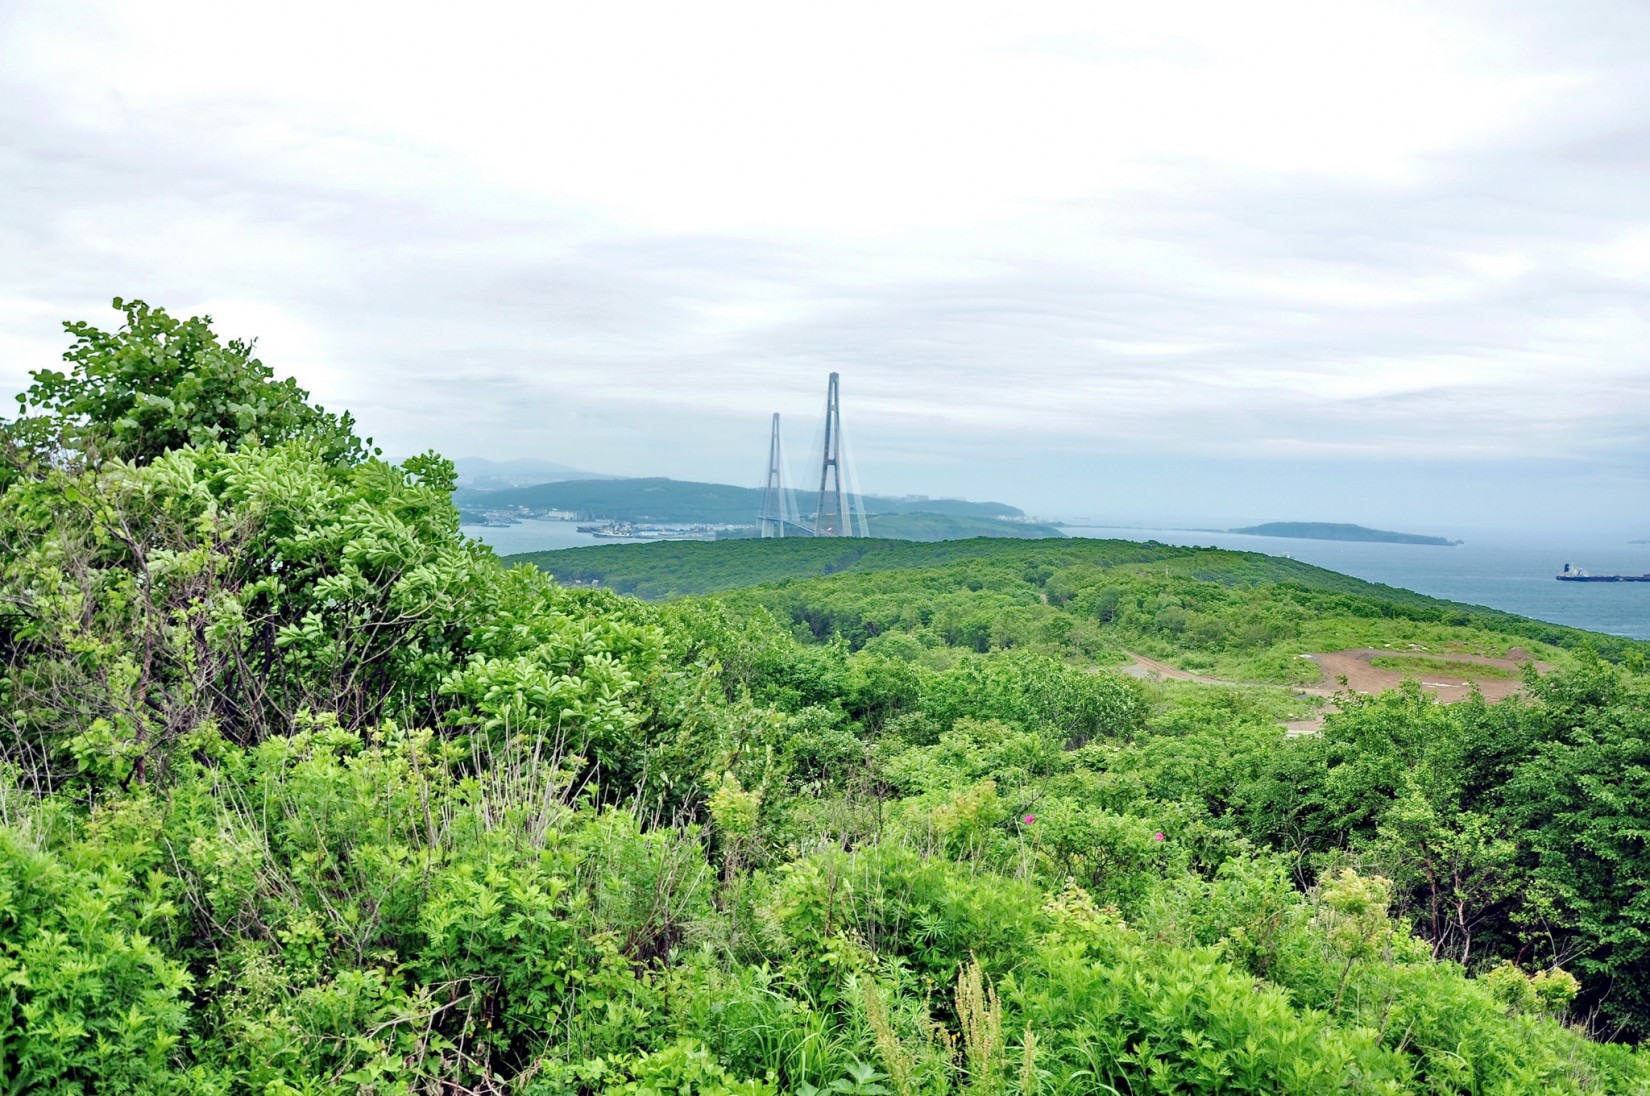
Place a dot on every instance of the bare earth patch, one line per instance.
(1352, 671)
(1150, 669)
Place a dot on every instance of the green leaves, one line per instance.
(684, 1068)
(301, 792)
(159, 384)
(237, 588)
(1583, 802)
(87, 1000)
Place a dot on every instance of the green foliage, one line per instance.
(1452, 667)
(1508, 829)
(1238, 615)
(1581, 799)
(229, 590)
(159, 384)
(1035, 691)
(923, 526)
(89, 998)
(685, 1068)
(303, 793)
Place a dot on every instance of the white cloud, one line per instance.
(619, 234)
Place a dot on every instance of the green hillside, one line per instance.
(677, 568)
(303, 791)
(668, 500)
(644, 500)
(961, 508)
(1239, 615)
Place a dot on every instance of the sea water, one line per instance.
(1510, 571)
(534, 535)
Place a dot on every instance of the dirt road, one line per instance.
(1149, 669)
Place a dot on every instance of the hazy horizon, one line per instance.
(1188, 521)
(1179, 264)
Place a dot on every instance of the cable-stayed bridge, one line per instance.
(838, 511)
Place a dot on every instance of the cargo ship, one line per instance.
(1576, 574)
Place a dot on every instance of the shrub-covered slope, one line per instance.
(304, 793)
(1051, 573)
(677, 568)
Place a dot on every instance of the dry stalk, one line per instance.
(980, 1015)
(1028, 1063)
(901, 1065)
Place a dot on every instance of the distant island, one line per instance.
(1325, 530)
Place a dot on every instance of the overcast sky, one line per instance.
(1197, 262)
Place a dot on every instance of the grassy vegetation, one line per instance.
(302, 792)
(1450, 667)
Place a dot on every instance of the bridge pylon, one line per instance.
(776, 518)
(834, 516)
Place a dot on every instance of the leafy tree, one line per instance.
(158, 384)
(1583, 801)
(230, 591)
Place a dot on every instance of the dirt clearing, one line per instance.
(1447, 676)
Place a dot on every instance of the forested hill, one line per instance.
(660, 499)
(924, 526)
(678, 568)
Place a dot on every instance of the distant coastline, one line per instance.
(657, 508)
(1323, 530)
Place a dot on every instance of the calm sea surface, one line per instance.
(534, 536)
(1506, 571)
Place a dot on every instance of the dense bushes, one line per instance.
(89, 999)
(303, 793)
(1511, 831)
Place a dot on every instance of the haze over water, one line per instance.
(535, 535)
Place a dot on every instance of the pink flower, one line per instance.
(1157, 836)
(1030, 818)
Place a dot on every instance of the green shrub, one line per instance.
(88, 1001)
